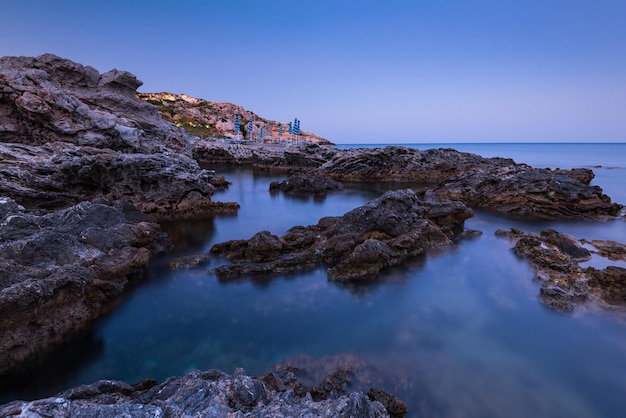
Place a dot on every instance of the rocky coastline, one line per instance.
(88, 169)
(213, 393)
(355, 246)
(495, 184)
(566, 284)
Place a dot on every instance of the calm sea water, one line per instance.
(456, 334)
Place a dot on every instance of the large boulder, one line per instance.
(61, 270)
(69, 133)
(357, 245)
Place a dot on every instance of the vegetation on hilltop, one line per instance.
(205, 119)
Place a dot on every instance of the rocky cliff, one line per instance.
(202, 118)
(69, 133)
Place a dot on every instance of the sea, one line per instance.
(454, 333)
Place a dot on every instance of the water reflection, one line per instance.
(454, 333)
(53, 372)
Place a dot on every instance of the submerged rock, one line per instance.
(565, 284)
(357, 245)
(60, 271)
(201, 394)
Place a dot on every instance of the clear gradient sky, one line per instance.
(361, 71)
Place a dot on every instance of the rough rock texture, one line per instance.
(201, 118)
(565, 285)
(59, 271)
(357, 245)
(335, 374)
(303, 184)
(519, 190)
(292, 158)
(202, 394)
(490, 183)
(69, 133)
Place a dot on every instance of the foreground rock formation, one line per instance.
(211, 394)
(60, 271)
(357, 245)
(69, 134)
(488, 183)
(565, 284)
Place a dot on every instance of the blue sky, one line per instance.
(361, 71)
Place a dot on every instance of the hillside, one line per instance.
(201, 118)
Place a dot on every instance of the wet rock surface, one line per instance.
(69, 134)
(61, 270)
(303, 184)
(357, 245)
(565, 284)
(333, 375)
(497, 184)
(291, 158)
(211, 394)
(519, 190)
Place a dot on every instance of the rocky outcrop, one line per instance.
(201, 118)
(496, 184)
(58, 175)
(328, 376)
(69, 133)
(357, 245)
(60, 271)
(292, 158)
(487, 183)
(303, 184)
(565, 284)
(209, 394)
(520, 190)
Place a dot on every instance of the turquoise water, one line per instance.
(458, 333)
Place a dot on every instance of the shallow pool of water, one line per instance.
(456, 333)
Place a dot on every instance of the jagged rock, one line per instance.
(334, 375)
(69, 133)
(219, 182)
(60, 271)
(292, 158)
(497, 184)
(303, 184)
(197, 394)
(188, 261)
(565, 285)
(583, 175)
(357, 245)
(50, 99)
(522, 190)
(395, 406)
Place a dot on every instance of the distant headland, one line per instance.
(207, 119)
